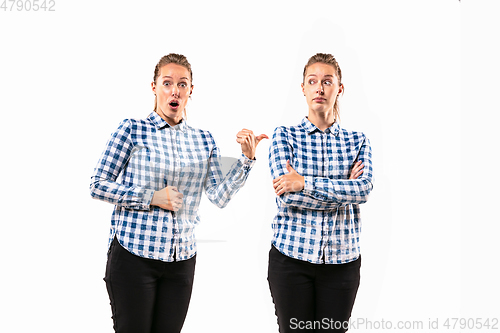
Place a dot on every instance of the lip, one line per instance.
(319, 100)
(174, 107)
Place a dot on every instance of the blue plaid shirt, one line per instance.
(147, 155)
(321, 223)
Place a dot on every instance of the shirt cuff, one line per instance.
(308, 185)
(247, 163)
(148, 197)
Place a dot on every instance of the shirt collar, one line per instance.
(311, 128)
(160, 123)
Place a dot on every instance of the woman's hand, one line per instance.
(290, 182)
(249, 142)
(357, 170)
(168, 198)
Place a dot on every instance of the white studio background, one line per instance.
(421, 81)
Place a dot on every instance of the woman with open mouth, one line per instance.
(321, 173)
(154, 170)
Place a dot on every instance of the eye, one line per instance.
(166, 83)
(328, 82)
(312, 82)
(183, 84)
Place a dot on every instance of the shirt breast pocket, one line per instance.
(305, 165)
(139, 166)
(341, 164)
(147, 168)
(193, 168)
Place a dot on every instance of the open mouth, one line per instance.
(174, 104)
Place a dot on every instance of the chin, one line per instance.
(170, 114)
(173, 113)
(321, 109)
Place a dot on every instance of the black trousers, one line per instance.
(147, 295)
(312, 297)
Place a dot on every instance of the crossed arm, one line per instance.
(293, 182)
(318, 193)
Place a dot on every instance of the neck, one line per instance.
(172, 121)
(321, 120)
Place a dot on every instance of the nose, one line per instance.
(320, 89)
(175, 91)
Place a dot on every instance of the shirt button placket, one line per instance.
(324, 220)
(176, 168)
(177, 157)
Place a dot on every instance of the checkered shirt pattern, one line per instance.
(143, 156)
(321, 223)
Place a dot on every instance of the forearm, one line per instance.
(220, 190)
(304, 201)
(338, 191)
(130, 197)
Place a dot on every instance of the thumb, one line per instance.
(289, 167)
(260, 137)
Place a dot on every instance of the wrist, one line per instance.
(249, 156)
(308, 184)
(154, 199)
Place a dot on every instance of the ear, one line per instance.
(153, 87)
(341, 89)
(191, 91)
(302, 86)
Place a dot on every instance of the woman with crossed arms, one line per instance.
(321, 173)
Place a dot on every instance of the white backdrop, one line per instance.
(421, 80)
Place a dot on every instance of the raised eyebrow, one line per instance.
(327, 75)
(169, 77)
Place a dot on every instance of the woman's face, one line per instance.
(172, 88)
(321, 87)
